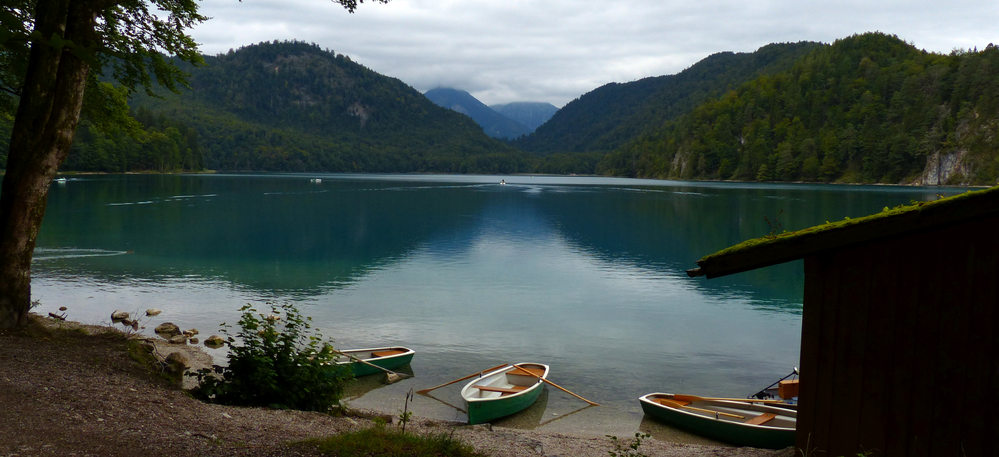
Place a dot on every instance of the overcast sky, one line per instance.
(556, 50)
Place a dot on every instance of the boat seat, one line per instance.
(527, 371)
(505, 390)
(670, 402)
(761, 419)
(386, 353)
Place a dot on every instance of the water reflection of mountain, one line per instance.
(267, 233)
(286, 234)
(668, 228)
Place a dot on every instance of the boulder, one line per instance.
(178, 339)
(214, 342)
(177, 361)
(130, 323)
(175, 364)
(118, 316)
(191, 332)
(153, 312)
(167, 330)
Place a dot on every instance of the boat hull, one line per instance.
(396, 357)
(732, 432)
(486, 406)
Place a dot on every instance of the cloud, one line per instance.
(557, 50)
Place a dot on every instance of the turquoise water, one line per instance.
(584, 274)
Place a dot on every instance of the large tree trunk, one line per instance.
(44, 126)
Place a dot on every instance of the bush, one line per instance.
(279, 362)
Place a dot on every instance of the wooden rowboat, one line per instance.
(735, 422)
(389, 358)
(503, 392)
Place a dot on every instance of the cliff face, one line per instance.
(945, 168)
(968, 157)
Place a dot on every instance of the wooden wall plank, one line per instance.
(817, 274)
(856, 295)
(878, 389)
(945, 271)
(978, 379)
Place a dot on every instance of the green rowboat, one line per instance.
(389, 358)
(734, 422)
(503, 392)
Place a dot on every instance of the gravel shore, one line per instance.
(79, 393)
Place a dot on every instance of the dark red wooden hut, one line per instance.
(900, 328)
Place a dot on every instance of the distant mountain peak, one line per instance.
(492, 122)
(531, 114)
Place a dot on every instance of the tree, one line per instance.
(52, 53)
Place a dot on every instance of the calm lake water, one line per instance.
(585, 274)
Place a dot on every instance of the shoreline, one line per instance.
(554, 412)
(548, 175)
(70, 391)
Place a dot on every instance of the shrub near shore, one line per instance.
(276, 360)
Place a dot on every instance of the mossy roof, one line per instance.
(921, 216)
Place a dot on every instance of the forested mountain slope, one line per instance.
(613, 114)
(869, 108)
(291, 106)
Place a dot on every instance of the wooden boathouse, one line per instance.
(900, 327)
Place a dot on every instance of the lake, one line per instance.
(585, 274)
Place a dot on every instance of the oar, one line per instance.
(390, 376)
(477, 373)
(677, 404)
(693, 398)
(560, 417)
(555, 385)
(763, 392)
(444, 402)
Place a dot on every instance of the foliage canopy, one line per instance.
(276, 360)
(869, 108)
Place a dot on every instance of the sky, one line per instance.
(554, 51)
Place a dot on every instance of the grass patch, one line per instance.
(379, 441)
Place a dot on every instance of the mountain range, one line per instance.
(866, 108)
(530, 114)
(505, 121)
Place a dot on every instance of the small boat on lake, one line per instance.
(389, 358)
(734, 422)
(504, 391)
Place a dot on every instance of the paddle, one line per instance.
(390, 376)
(478, 373)
(555, 385)
(693, 398)
(763, 393)
(677, 404)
